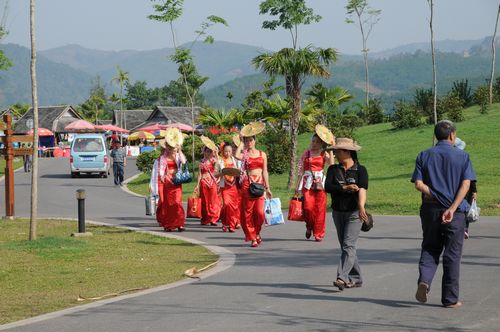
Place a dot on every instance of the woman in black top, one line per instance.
(347, 182)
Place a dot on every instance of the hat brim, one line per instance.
(252, 129)
(236, 140)
(231, 171)
(209, 143)
(173, 137)
(324, 134)
(344, 147)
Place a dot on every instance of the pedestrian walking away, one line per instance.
(347, 182)
(119, 162)
(442, 174)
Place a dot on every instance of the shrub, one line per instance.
(146, 160)
(277, 145)
(453, 105)
(462, 90)
(482, 98)
(375, 112)
(405, 116)
(187, 148)
(345, 125)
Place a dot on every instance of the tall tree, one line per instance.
(5, 63)
(296, 65)
(434, 74)
(93, 107)
(167, 11)
(34, 99)
(493, 56)
(292, 63)
(367, 18)
(121, 78)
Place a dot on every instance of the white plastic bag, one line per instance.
(473, 214)
(272, 212)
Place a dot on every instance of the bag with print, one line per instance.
(182, 175)
(296, 209)
(272, 212)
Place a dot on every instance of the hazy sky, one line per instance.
(123, 24)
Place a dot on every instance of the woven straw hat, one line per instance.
(324, 134)
(236, 140)
(209, 143)
(252, 129)
(173, 137)
(344, 143)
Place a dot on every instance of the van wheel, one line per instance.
(74, 174)
(104, 175)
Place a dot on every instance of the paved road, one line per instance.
(286, 283)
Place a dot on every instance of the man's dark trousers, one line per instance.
(118, 173)
(436, 237)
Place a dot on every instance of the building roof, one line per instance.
(166, 115)
(131, 118)
(54, 118)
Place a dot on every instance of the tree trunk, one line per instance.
(367, 82)
(294, 130)
(434, 79)
(493, 50)
(34, 97)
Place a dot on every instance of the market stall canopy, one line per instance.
(80, 125)
(178, 125)
(110, 127)
(141, 135)
(152, 128)
(41, 132)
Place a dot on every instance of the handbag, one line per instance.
(473, 214)
(150, 202)
(367, 225)
(194, 207)
(272, 212)
(182, 175)
(255, 189)
(296, 209)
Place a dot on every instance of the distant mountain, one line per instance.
(221, 62)
(57, 83)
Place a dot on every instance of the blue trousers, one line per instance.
(445, 239)
(118, 172)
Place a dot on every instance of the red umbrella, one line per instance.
(80, 125)
(178, 125)
(41, 132)
(151, 128)
(110, 127)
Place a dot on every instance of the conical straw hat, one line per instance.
(173, 137)
(209, 143)
(236, 140)
(324, 134)
(252, 129)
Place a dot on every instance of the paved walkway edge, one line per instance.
(226, 260)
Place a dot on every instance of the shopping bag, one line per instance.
(150, 205)
(473, 214)
(194, 207)
(272, 212)
(296, 209)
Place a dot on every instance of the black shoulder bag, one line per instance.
(255, 189)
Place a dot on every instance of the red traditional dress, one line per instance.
(231, 197)
(314, 200)
(252, 209)
(169, 213)
(209, 194)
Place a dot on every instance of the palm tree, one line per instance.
(295, 66)
(121, 78)
(327, 100)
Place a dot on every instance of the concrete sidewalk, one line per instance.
(286, 283)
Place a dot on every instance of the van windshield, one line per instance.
(88, 145)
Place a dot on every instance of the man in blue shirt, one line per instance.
(443, 175)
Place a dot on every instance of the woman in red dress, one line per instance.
(169, 213)
(254, 169)
(208, 186)
(311, 185)
(230, 214)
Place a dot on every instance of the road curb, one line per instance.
(225, 261)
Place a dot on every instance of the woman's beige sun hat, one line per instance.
(173, 138)
(324, 134)
(252, 129)
(344, 143)
(209, 143)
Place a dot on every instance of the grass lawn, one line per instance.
(18, 162)
(389, 156)
(50, 273)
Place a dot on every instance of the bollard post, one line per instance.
(80, 196)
